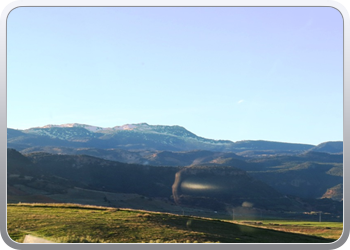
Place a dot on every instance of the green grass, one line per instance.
(329, 230)
(75, 223)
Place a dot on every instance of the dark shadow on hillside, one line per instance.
(227, 232)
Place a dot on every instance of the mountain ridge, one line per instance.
(138, 136)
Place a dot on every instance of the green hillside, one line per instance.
(91, 224)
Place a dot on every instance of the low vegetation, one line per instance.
(74, 223)
(329, 230)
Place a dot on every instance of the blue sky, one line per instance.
(244, 73)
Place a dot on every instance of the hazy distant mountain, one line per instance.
(144, 157)
(136, 136)
(329, 147)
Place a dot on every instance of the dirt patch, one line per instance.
(32, 239)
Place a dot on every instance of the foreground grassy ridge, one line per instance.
(73, 223)
(329, 230)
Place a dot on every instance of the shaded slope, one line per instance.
(89, 172)
(307, 180)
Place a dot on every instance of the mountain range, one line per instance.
(57, 162)
(143, 136)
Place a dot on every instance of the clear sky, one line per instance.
(243, 73)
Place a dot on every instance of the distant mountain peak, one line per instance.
(329, 147)
(74, 125)
(133, 126)
(158, 137)
(139, 127)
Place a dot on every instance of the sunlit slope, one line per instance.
(64, 223)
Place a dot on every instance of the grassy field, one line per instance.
(90, 224)
(329, 230)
